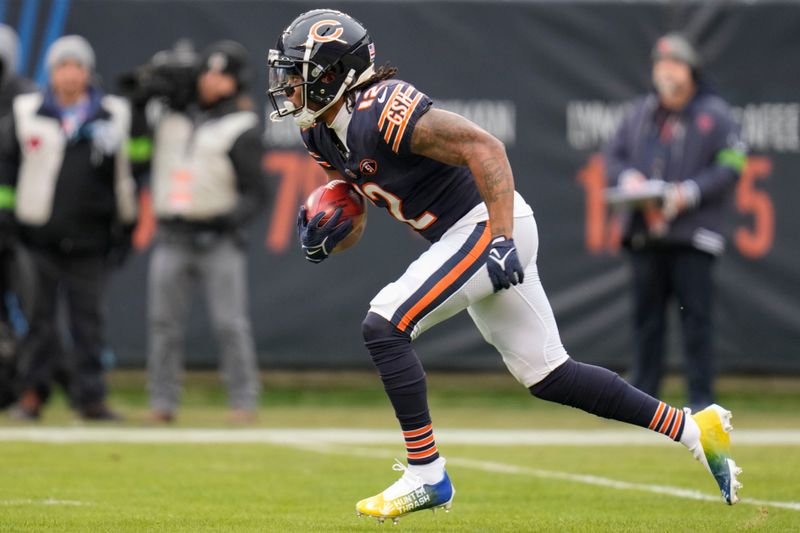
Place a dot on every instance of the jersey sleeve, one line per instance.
(308, 140)
(397, 108)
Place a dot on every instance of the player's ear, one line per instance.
(328, 77)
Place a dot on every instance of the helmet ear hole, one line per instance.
(329, 76)
(338, 68)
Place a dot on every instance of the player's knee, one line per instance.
(557, 381)
(375, 327)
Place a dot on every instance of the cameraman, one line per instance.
(207, 186)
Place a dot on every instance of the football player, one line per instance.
(451, 182)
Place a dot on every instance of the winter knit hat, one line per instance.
(70, 47)
(676, 46)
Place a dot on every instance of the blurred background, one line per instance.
(550, 79)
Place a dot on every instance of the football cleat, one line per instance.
(714, 449)
(407, 495)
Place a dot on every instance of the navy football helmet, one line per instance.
(322, 54)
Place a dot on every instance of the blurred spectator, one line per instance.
(64, 155)
(207, 185)
(11, 85)
(684, 136)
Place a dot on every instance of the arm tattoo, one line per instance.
(443, 136)
(454, 140)
(496, 182)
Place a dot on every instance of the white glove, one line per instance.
(631, 180)
(678, 197)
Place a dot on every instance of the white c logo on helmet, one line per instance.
(314, 31)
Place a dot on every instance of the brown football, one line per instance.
(334, 194)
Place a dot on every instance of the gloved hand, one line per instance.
(503, 264)
(318, 241)
(678, 197)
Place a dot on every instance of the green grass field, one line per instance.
(313, 486)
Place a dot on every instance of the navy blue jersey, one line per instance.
(427, 195)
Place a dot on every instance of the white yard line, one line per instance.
(488, 437)
(504, 468)
(49, 501)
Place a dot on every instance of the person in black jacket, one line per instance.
(208, 185)
(683, 136)
(11, 85)
(64, 166)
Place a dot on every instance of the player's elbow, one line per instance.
(485, 145)
(492, 143)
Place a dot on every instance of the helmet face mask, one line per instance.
(322, 54)
(284, 79)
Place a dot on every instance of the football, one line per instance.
(334, 194)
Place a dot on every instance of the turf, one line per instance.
(265, 488)
(213, 487)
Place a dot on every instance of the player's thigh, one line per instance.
(432, 288)
(519, 322)
(479, 286)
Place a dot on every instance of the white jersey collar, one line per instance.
(340, 124)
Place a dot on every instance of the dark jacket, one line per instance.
(699, 145)
(10, 87)
(93, 194)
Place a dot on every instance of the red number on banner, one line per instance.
(299, 176)
(755, 242)
(603, 232)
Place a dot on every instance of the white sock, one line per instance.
(691, 432)
(430, 473)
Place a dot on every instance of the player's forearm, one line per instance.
(489, 164)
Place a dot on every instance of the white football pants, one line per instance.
(451, 276)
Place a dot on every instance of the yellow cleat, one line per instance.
(714, 449)
(407, 495)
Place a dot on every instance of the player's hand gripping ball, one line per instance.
(332, 220)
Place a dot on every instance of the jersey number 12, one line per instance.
(374, 192)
